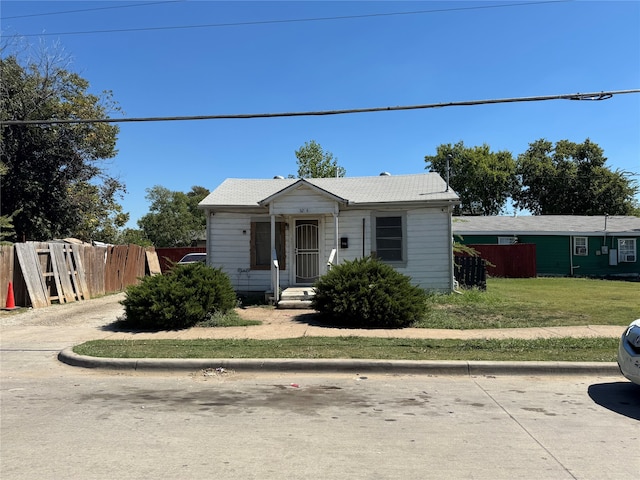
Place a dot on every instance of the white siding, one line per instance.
(429, 254)
(229, 247)
(428, 245)
(350, 227)
(303, 201)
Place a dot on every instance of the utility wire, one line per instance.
(295, 20)
(572, 96)
(91, 9)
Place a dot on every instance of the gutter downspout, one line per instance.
(209, 247)
(452, 275)
(363, 236)
(571, 240)
(337, 236)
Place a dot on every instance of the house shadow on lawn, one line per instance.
(313, 319)
(316, 319)
(120, 325)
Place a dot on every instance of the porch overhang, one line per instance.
(302, 183)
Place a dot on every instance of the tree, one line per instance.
(572, 179)
(52, 168)
(6, 221)
(484, 180)
(174, 219)
(102, 217)
(134, 236)
(314, 162)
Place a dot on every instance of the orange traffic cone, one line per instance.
(11, 302)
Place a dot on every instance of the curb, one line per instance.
(423, 367)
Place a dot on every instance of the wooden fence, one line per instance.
(169, 255)
(509, 261)
(471, 272)
(46, 273)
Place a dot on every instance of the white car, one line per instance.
(629, 352)
(193, 258)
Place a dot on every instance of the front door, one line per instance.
(307, 251)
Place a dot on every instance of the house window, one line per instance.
(580, 246)
(627, 250)
(261, 245)
(507, 240)
(389, 238)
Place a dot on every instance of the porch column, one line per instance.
(274, 287)
(273, 232)
(337, 237)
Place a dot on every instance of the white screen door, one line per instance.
(307, 251)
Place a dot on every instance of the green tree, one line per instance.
(102, 217)
(6, 221)
(572, 179)
(50, 168)
(134, 236)
(483, 179)
(174, 219)
(314, 162)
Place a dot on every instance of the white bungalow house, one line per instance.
(267, 233)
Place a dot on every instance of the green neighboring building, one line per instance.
(566, 245)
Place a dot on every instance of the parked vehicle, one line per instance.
(629, 352)
(193, 258)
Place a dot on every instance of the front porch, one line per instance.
(296, 297)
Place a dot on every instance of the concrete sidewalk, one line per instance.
(305, 323)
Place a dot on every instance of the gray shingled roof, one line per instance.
(356, 190)
(545, 225)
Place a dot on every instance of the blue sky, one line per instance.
(257, 59)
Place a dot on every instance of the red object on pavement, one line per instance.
(11, 302)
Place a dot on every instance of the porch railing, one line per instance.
(332, 257)
(275, 276)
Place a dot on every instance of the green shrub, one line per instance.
(368, 293)
(180, 298)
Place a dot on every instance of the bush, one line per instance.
(369, 293)
(180, 298)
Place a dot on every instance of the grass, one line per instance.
(512, 303)
(556, 349)
(507, 303)
(230, 319)
(536, 302)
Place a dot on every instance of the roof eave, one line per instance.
(296, 185)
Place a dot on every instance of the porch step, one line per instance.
(297, 297)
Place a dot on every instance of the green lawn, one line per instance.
(556, 349)
(507, 303)
(536, 302)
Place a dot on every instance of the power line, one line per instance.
(572, 96)
(295, 20)
(91, 9)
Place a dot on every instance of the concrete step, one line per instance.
(296, 297)
(294, 304)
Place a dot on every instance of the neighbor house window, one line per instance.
(627, 250)
(261, 245)
(389, 237)
(580, 246)
(507, 240)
